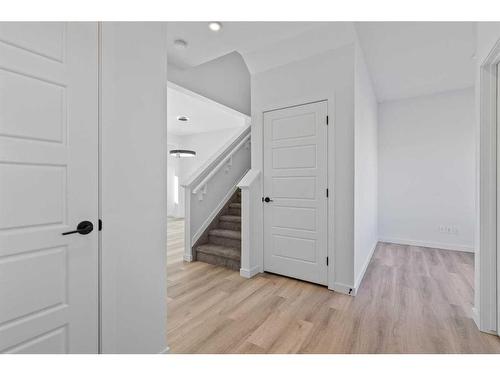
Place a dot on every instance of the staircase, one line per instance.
(220, 244)
(212, 201)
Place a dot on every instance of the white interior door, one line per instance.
(48, 184)
(295, 182)
(498, 201)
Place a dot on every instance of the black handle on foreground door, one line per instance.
(85, 227)
(267, 199)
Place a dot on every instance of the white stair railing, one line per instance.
(227, 163)
(208, 189)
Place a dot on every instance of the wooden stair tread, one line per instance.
(220, 251)
(226, 233)
(235, 205)
(233, 218)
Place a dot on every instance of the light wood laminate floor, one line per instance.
(412, 300)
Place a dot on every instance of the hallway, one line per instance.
(412, 300)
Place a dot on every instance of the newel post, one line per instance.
(249, 200)
(188, 252)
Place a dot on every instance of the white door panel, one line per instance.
(295, 179)
(48, 184)
(498, 202)
(42, 38)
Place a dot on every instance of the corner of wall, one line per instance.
(225, 80)
(365, 165)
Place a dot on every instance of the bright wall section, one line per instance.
(207, 145)
(210, 127)
(426, 174)
(486, 310)
(325, 76)
(286, 75)
(133, 184)
(225, 80)
(174, 209)
(365, 168)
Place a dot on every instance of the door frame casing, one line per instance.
(133, 54)
(498, 220)
(330, 169)
(327, 176)
(487, 315)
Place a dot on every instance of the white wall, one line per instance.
(206, 146)
(427, 170)
(329, 75)
(326, 36)
(173, 169)
(366, 166)
(225, 80)
(133, 178)
(210, 199)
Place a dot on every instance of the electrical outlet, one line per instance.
(448, 229)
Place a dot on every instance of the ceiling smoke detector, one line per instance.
(215, 26)
(183, 118)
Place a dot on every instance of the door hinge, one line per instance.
(100, 225)
(327, 120)
(327, 192)
(327, 261)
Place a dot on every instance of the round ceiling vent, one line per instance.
(180, 44)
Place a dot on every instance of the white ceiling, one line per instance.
(320, 38)
(204, 114)
(405, 59)
(205, 45)
(408, 59)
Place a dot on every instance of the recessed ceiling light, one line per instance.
(215, 26)
(183, 118)
(180, 44)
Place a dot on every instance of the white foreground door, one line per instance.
(498, 202)
(48, 184)
(295, 183)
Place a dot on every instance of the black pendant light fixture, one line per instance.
(183, 153)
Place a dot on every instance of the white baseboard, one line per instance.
(165, 351)
(345, 289)
(365, 266)
(188, 258)
(436, 245)
(475, 317)
(249, 273)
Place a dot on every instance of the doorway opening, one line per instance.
(208, 151)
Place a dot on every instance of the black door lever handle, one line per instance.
(85, 227)
(267, 199)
